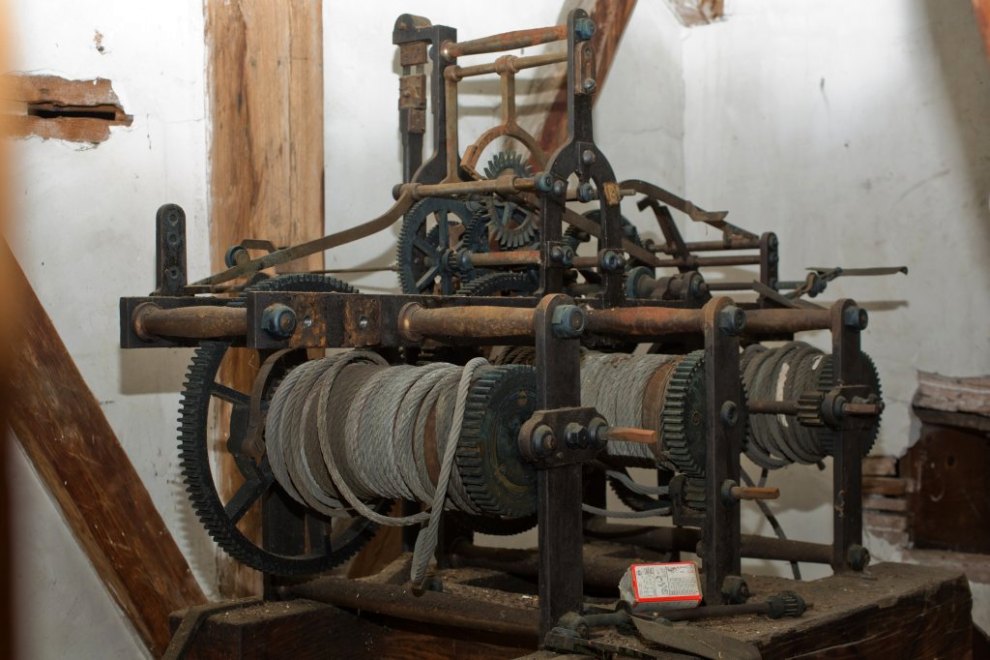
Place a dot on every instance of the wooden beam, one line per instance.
(265, 81)
(611, 18)
(7, 293)
(982, 10)
(65, 435)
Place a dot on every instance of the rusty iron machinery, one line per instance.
(503, 387)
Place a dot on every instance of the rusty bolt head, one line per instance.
(576, 436)
(559, 187)
(544, 442)
(731, 320)
(729, 413)
(586, 192)
(857, 557)
(735, 590)
(589, 85)
(612, 261)
(855, 318)
(544, 182)
(279, 321)
(584, 29)
(568, 321)
(588, 157)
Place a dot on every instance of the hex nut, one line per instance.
(279, 321)
(855, 318)
(731, 320)
(568, 321)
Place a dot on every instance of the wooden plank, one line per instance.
(881, 503)
(7, 293)
(300, 629)
(965, 395)
(884, 486)
(982, 10)
(59, 423)
(611, 18)
(265, 80)
(879, 466)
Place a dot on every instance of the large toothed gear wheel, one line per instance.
(511, 224)
(425, 246)
(497, 478)
(684, 426)
(330, 542)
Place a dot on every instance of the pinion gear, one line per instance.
(507, 161)
(497, 284)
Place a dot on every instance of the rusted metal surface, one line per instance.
(754, 493)
(204, 322)
(507, 258)
(778, 321)
(416, 322)
(506, 185)
(772, 407)
(433, 607)
(504, 41)
(644, 321)
(729, 243)
(506, 63)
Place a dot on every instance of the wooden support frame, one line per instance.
(265, 86)
(65, 435)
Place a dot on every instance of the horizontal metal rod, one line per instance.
(776, 321)
(601, 571)
(506, 63)
(701, 262)
(476, 322)
(729, 286)
(506, 258)
(504, 185)
(433, 607)
(772, 407)
(711, 246)
(686, 539)
(194, 322)
(754, 493)
(451, 50)
(644, 321)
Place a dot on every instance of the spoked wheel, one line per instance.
(430, 230)
(234, 521)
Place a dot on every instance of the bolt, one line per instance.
(612, 261)
(589, 85)
(556, 254)
(598, 431)
(857, 557)
(855, 318)
(586, 192)
(773, 257)
(584, 29)
(544, 182)
(544, 441)
(729, 413)
(588, 157)
(363, 323)
(559, 187)
(576, 436)
(772, 241)
(731, 320)
(568, 321)
(735, 589)
(279, 321)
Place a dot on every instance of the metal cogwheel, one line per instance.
(825, 381)
(497, 284)
(511, 224)
(632, 499)
(683, 423)
(507, 161)
(424, 245)
(342, 539)
(497, 479)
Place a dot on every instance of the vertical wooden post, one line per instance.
(982, 10)
(265, 85)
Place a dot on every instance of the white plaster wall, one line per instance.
(85, 236)
(858, 132)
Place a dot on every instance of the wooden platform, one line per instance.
(892, 611)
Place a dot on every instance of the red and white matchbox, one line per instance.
(672, 585)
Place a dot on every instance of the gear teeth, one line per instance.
(412, 222)
(678, 404)
(507, 160)
(194, 460)
(493, 284)
(476, 442)
(825, 381)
